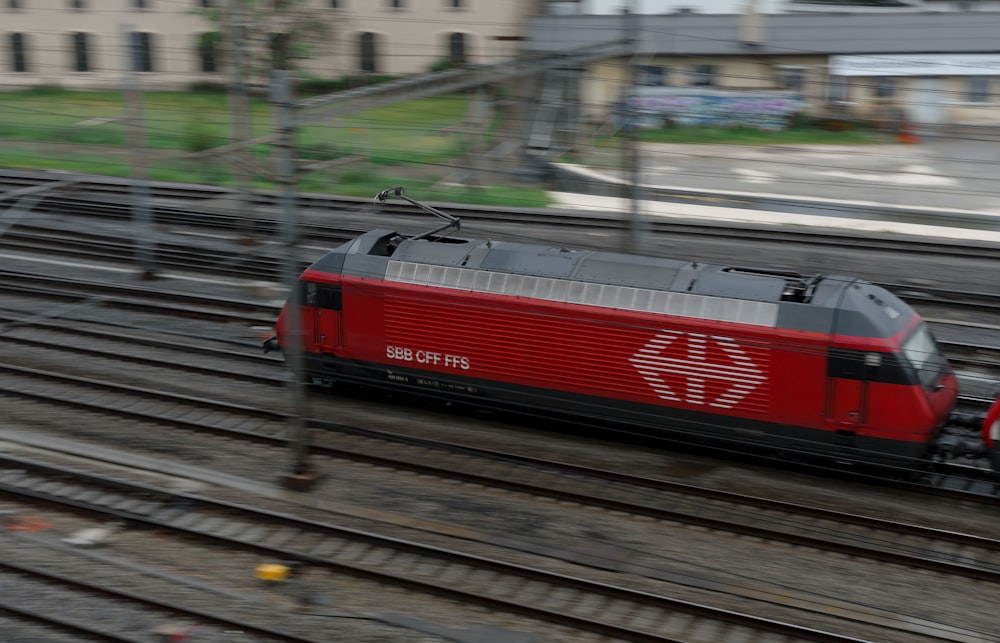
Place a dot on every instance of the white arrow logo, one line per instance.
(658, 359)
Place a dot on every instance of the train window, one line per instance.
(308, 293)
(924, 355)
(328, 297)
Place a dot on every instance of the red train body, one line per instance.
(824, 365)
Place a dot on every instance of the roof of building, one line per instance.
(780, 34)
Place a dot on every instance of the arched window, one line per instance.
(81, 55)
(368, 53)
(456, 49)
(19, 52)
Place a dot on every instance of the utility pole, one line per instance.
(135, 140)
(302, 476)
(631, 144)
(239, 108)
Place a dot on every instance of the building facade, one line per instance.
(90, 44)
(921, 67)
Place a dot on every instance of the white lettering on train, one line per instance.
(427, 358)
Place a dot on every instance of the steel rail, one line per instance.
(510, 481)
(537, 609)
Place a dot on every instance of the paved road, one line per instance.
(948, 172)
(938, 172)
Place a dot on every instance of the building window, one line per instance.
(140, 4)
(650, 75)
(81, 58)
(368, 53)
(334, 4)
(77, 4)
(205, 4)
(456, 49)
(279, 50)
(836, 89)
(978, 89)
(395, 4)
(142, 51)
(18, 52)
(885, 87)
(702, 75)
(207, 52)
(793, 79)
(455, 4)
(13, 4)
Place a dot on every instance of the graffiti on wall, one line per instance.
(764, 109)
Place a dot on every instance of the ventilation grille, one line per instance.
(741, 311)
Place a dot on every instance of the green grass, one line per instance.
(751, 136)
(411, 134)
(411, 143)
(366, 183)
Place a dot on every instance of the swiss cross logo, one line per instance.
(698, 369)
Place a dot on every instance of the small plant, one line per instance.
(198, 138)
(441, 65)
(319, 152)
(316, 85)
(207, 87)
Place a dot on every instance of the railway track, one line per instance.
(235, 312)
(563, 598)
(628, 496)
(219, 256)
(193, 205)
(636, 496)
(70, 604)
(112, 296)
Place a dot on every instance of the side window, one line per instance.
(308, 293)
(328, 297)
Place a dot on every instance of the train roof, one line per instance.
(732, 293)
(590, 266)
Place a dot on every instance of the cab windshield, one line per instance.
(923, 353)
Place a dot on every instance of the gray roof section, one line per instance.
(783, 34)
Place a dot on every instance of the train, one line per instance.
(812, 365)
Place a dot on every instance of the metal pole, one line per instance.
(239, 107)
(631, 142)
(301, 476)
(135, 140)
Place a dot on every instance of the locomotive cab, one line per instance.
(885, 370)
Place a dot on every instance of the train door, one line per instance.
(848, 381)
(328, 323)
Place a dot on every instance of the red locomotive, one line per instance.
(815, 364)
